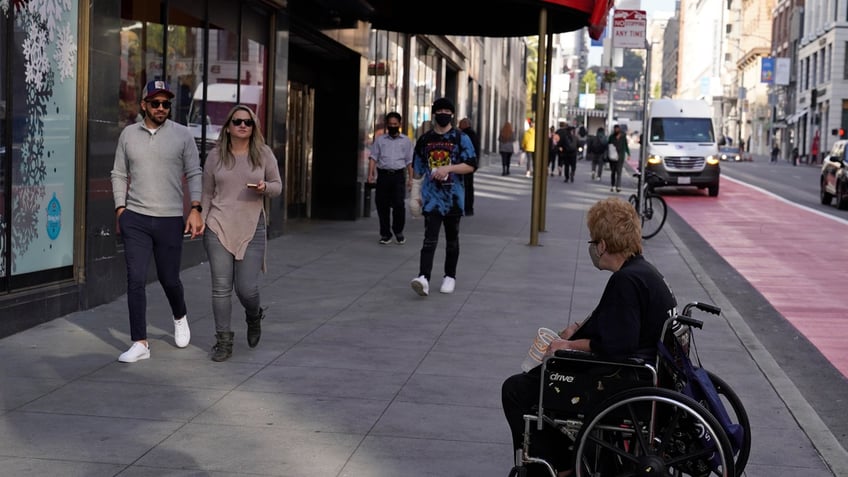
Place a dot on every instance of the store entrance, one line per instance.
(299, 148)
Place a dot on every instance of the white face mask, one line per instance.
(594, 255)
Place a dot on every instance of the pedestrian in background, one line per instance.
(560, 134)
(814, 150)
(506, 147)
(528, 144)
(597, 150)
(568, 153)
(619, 141)
(465, 126)
(553, 139)
(239, 173)
(441, 156)
(151, 161)
(390, 165)
(775, 152)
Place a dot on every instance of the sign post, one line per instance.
(629, 29)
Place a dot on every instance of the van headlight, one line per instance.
(654, 159)
(712, 160)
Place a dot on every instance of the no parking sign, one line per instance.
(628, 28)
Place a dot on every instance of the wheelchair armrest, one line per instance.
(589, 356)
(573, 353)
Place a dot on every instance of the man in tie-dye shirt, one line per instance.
(442, 156)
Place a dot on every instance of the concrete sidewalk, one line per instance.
(355, 375)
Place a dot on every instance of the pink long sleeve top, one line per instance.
(231, 209)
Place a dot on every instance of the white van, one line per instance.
(220, 98)
(681, 144)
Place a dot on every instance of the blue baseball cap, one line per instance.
(156, 87)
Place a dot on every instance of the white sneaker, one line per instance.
(136, 352)
(448, 285)
(182, 335)
(420, 285)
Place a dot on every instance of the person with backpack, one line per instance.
(597, 152)
(568, 152)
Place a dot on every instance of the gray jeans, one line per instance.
(227, 273)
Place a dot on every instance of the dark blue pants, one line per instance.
(161, 237)
(391, 191)
(432, 225)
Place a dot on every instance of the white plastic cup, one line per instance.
(537, 350)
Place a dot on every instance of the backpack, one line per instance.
(598, 145)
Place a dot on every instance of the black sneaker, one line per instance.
(401, 239)
(385, 240)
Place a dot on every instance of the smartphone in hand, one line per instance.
(252, 186)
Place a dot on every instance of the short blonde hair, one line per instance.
(616, 223)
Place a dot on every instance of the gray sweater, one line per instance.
(148, 173)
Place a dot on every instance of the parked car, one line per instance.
(834, 176)
(732, 153)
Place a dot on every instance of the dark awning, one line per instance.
(490, 18)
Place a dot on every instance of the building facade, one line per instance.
(71, 74)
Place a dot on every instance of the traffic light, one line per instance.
(841, 133)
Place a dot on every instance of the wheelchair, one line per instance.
(631, 418)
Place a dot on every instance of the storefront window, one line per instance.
(385, 79)
(424, 83)
(38, 138)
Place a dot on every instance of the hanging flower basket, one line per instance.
(609, 76)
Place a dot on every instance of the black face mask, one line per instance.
(443, 119)
(393, 130)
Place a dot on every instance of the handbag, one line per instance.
(612, 153)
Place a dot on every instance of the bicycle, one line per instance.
(652, 208)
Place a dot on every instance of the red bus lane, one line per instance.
(785, 251)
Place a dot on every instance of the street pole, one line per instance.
(643, 156)
(537, 207)
(585, 115)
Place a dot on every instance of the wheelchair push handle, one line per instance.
(706, 307)
(685, 317)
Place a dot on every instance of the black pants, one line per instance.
(597, 163)
(519, 396)
(391, 191)
(161, 237)
(615, 172)
(570, 163)
(506, 158)
(552, 160)
(432, 225)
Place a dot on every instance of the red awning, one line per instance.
(492, 18)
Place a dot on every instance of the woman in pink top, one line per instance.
(239, 173)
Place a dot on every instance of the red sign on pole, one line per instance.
(629, 28)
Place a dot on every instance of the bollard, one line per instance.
(366, 202)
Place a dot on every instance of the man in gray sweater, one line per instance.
(151, 160)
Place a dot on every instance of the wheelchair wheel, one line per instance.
(653, 432)
(739, 416)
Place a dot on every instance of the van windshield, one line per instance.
(682, 130)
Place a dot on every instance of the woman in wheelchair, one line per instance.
(627, 322)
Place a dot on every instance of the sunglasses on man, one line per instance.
(155, 104)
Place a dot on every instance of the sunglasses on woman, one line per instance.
(239, 121)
